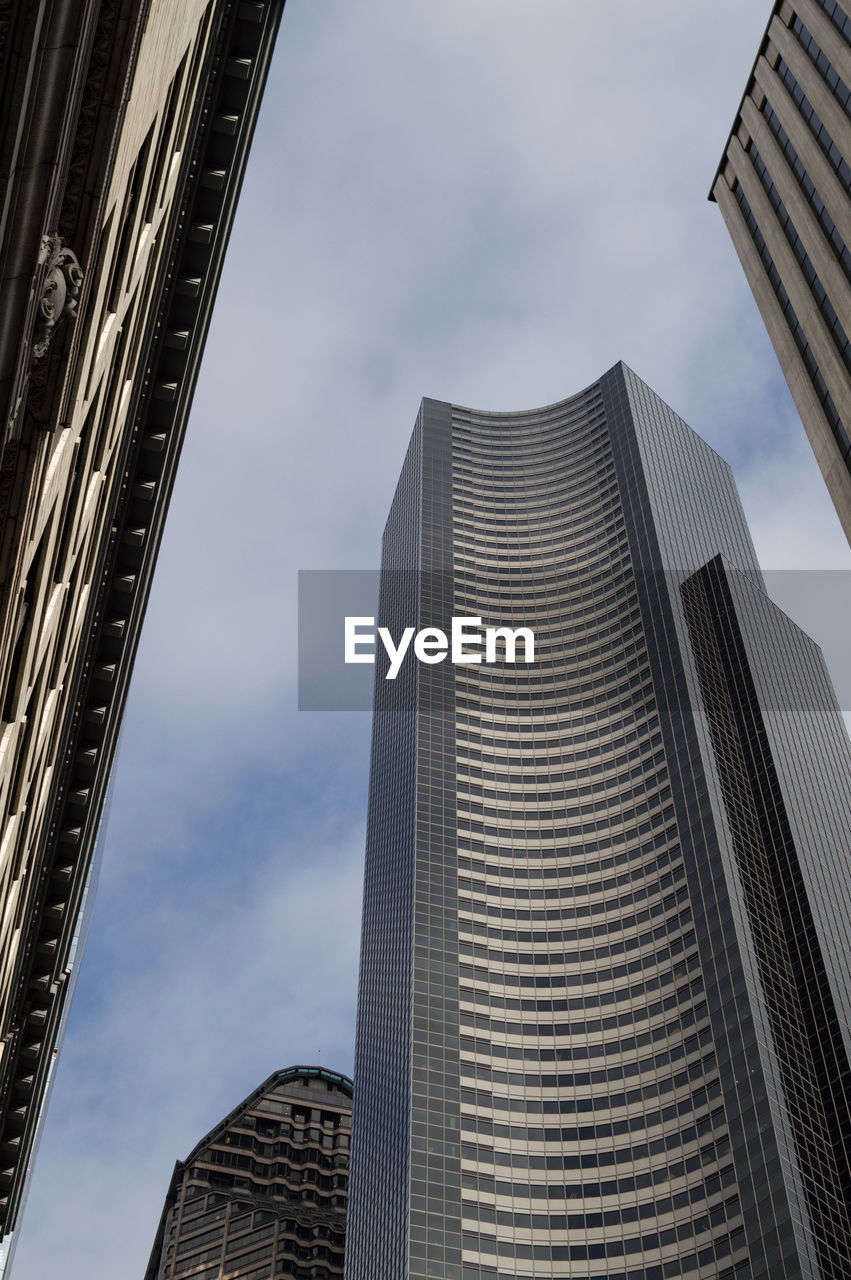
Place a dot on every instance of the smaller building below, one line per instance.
(264, 1193)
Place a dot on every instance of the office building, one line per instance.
(784, 188)
(124, 132)
(603, 1022)
(264, 1194)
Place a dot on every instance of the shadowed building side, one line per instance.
(125, 132)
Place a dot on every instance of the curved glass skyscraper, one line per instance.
(603, 1028)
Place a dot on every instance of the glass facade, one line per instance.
(596, 1037)
(264, 1194)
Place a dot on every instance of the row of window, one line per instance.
(571, 868)
(527, 429)
(600, 817)
(210, 1208)
(540, 541)
(563, 672)
(557, 472)
(675, 922)
(698, 1192)
(605, 737)
(807, 185)
(598, 1159)
(838, 16)
(523, 580)
(477, 907)
(507, 868)
(598, 999)
(516, 856)
(213, 1235)
(535, 465)
(813, 119)
(828, 311)
(295, 1155)
(526, 473)
(591, 539)
(483, 1099)
(309, 1194)
(614, 1073)
(590, 1026)
(574, 758)
(597, 974)
(835, 423)
(541, 554)
(484, 528)
(494, 513)
(562, 492)
(607, 807)
(511, 426)
(581, 912)
(257, 1139)
(475, 1212)
(585, 639)
(236, 1160)
(662, 1173)
(718, 1250)
(808, 41)
(618, 925)
(574, 1052)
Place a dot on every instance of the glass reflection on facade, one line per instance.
(603, 1025)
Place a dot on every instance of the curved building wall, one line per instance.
(573, 994)
(591, 1115)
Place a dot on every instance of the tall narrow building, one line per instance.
(125, 127)
(784, 188)
(264, 1193)
(603, 1023)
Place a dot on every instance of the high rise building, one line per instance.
(603, 1022)
(264, 1193)
(124, 132)
(784, 188)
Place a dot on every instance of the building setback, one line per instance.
(603, 1021)
(784, 188)
(124, 132)
(264, 1194)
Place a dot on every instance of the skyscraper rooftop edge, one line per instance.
(510, 415)
(287, 1075)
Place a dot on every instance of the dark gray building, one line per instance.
(264, 1193)
(604, 1021)
(784, 188)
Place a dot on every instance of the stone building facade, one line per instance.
(125, 131)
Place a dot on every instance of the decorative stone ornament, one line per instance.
(60, 291)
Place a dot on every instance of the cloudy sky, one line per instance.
(483, 201)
